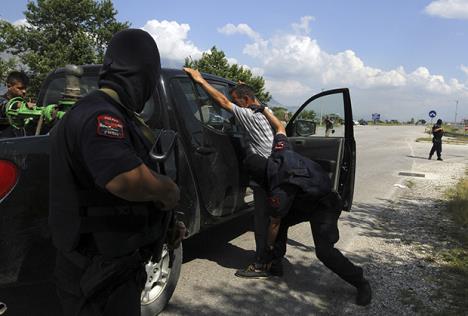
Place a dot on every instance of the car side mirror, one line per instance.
(304, 128)
(164, 152)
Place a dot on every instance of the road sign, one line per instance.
(432, 114)
(375, 116)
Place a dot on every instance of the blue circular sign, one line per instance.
(432, 113)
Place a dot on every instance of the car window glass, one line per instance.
(211, 113)
(56, 87)
(322, 117)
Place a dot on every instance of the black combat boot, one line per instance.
(440, 158)
(364, 293)
(276, 267)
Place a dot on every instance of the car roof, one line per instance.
(166, 72)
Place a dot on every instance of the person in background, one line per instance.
(437, 133)
(16, 83)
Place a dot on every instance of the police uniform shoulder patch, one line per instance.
(110, 126)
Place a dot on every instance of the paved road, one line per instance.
(208, 286)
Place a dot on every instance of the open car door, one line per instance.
(322, 130)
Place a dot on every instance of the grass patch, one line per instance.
(424, 139)
(458, 202)
(456, 282)
(410, 183)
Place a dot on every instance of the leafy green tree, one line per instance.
(216, 63)
(60, 32)
(7, 66)
(281, 113)
(307, 115)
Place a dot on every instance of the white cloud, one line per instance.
(172, 41)
(20, 22)
(291, 56)
(230, 29)
(449, 9)
(464, 69)
(303, 25)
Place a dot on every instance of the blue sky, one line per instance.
(399, 58)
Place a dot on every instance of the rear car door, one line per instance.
(322, 130)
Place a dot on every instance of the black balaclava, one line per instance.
(131, 67)
(439, 122)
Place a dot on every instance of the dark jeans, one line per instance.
(436, 147)
(324, 225)
(123, 299)
(261, 223)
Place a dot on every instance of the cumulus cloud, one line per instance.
(464, 69)
(304, 25)
(172, 39)
(230, 29)
(449, 9)
(294, 63)
(20, 22)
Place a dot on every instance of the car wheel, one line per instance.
(161, 282)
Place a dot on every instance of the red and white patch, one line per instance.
(279, 146)
(110, 126)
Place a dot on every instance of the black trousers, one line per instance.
(123, 299)
(324, 225)
(261, 223)
(436, 147)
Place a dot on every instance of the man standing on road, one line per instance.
(260, 142)
(102, 216)
(299, 190)
(437, 132)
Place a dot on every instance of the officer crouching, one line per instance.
(102, 190)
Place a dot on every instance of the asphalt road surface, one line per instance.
(207, 285)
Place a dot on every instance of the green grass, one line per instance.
(456, 281)
(410, 183)
(458, 202)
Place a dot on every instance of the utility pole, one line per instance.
(456, 110)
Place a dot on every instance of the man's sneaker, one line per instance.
(430, 157)
(364, 293)
(276, 268)
(254, 271)
(440, 159)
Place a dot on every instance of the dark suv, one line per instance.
(213, 184)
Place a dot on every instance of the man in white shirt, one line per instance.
(260, 135)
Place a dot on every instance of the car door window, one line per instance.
(323, 117)
(211, 113)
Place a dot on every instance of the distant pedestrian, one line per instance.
(437, 132)
(328, 126)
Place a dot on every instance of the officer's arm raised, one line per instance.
(141, 184)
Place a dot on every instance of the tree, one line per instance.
(281, 113)
(7, 66)
(216, 63)
(60, 32)
(307, 115)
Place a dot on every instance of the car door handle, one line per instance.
(205, 150)
(299, 142)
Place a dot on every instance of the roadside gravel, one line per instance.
(406, 236)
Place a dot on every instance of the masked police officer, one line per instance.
(102, 189)
(437, 133)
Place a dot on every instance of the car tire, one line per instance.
(161, 282)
